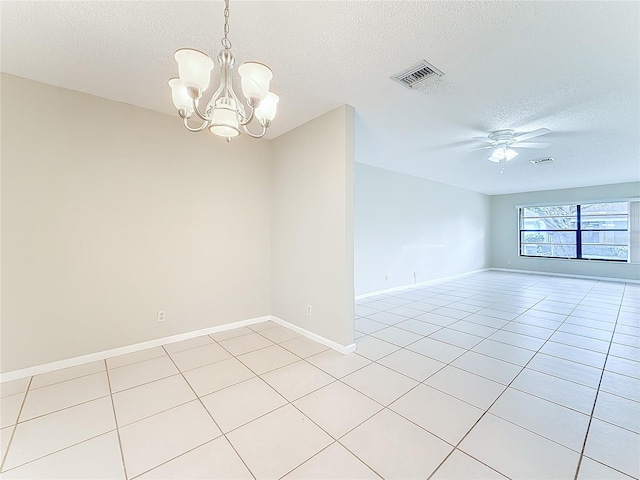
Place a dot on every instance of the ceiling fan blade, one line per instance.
(479, 148)
(528, 135)
(483, 139)
(530, 145)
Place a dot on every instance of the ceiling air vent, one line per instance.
(416, 76)
(542, 160)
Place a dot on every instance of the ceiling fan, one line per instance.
(503, 142)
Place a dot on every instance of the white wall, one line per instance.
(504, 231)
(111, 213)
(312, 225)
(406, 224)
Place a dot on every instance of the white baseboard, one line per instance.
(315, 337)
(114, 352)
(92, 357)
(567, 275)
(420, 284)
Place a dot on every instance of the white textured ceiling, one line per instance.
(572, 67)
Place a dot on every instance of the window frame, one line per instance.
(576, 231)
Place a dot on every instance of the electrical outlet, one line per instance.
(161, 316)
(508, 262)
(386, 276)
(309, 310)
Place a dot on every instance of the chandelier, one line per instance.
(224, 114)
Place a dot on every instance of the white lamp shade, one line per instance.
(268, 107)
(510, 153)
(180, 96)
(194, 68)
(224, 122)
(255, 79)
(502, 153)
(497, 154)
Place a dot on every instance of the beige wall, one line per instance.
(312, 226)
(406, 224)
(111, 213)
(504, 231)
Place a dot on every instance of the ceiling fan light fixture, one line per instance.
(502, 153)
(497, 154)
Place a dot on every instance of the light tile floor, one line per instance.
(492, 375)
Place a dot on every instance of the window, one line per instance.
(594, 231)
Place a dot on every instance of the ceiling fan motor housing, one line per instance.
(502, 137)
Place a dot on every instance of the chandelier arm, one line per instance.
(191, 129)
(253, 135)
(247, 119)
(200, 114)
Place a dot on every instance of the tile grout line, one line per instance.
(176, 457)
(465, 348)
(335, 441)
(230, 386)
(68, 379)
(595, 400)
(495, 358)
(115, 419)
(15, 426)
(181, 371)
(548, 339)
(456, 447)
(387, 407)
(59, 450)
(289, 402)
(222, 433)
(84, 402)
(448, 326)
(435, 339)
(135, 362)
(355, 455)
(422, 383)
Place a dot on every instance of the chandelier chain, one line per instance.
(226, 43)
